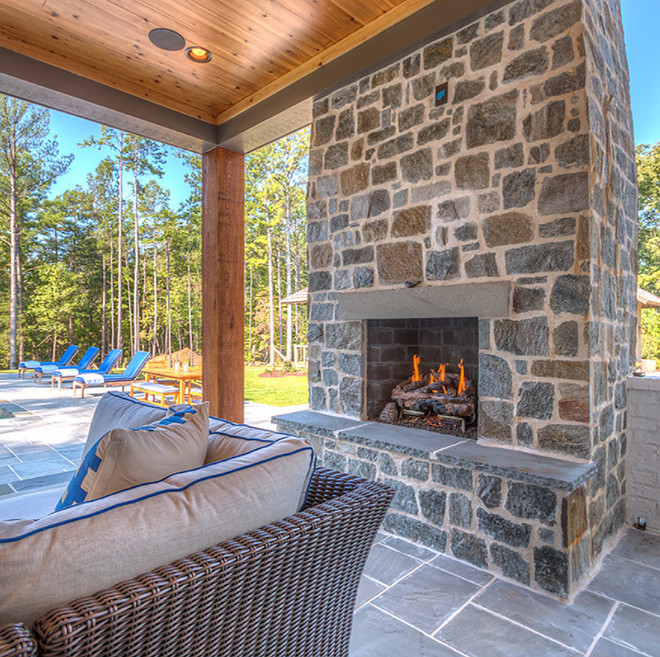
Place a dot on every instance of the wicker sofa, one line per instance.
(286, 589)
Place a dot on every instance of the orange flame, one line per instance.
(461, 379)
(416, 376)
(431, 378)
(444, 389)
(441, 372)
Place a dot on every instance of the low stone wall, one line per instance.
(520, 515)
(643, 461)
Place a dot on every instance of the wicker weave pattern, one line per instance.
(16, 641)
(287, 589)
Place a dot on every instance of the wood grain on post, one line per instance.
(223, 282)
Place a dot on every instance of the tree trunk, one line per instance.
(169, 313)
(271, 310)
(130, 304)
(249, 351)
(120, 341)
(104, 302)
(190, 327)
(287, 229)
(13, 271)
(154, 345)
(19, 293)
(136, 265)
(113, 315)
(279, 298)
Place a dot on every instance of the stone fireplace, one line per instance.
(513, 204)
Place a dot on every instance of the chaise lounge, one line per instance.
(66, 358)
(83, 364)
(69, 373)
(132, 371)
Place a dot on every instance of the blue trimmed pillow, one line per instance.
(124, 458)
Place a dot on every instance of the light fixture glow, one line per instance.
(198, 54)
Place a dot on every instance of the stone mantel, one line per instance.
(477, 299)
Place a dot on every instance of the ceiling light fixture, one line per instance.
(166, 39)
(198, 54)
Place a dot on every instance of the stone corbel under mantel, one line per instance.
(486, 299)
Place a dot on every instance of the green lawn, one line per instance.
(276, 391)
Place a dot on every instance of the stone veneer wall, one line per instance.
(527, 175)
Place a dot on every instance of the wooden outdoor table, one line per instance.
(153, 372)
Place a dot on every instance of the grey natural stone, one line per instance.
(383, 174)
(536, 400)
(481, 265)
(345, 124)
(315, 162)
(385, 75)
(336, 156)
(392, 96)
(415, 469)
(416, 530)
(412, 221)
(358, 256)
(469, 547)
(517, 38)
(561, 369)
(404, 496)
(489, 491)
(322, 312)
(338, 222)
(423, 86)
(546, 535)
(317, 398)
(492, 121)
(487, 51)
(374, 231)
(320, 107)
(503, 530)
(493, 20)
(525, 337)
(507, 228)
(565, 83)
(550, 256)
(411, 66)
(399, 262)
(524, 434)
(442, 265)
(467, 34)
(400, 198)
(466, 232)
(433, 504)
(438, 52)
(551, 570)
(425, 193)
(472, 171)
(314, 333)
(518, 188)
(546, 122)
(526, 299)
(433, 132)
(562, 52)
(344, 97)
(342, 279)
(410, 117)
(457, 208)
(387, 464)
(511, 563)
(417, 166)
(532, 62)
(368, 99)
(571, 294)
(558, 228)
(319, 280)
(460, 510)
(494, 377)
(320, 255)
(466, 89)
(510, 157)
(569, 439)
(574, 152)
(496, 420)
(554, 22)
(363, 277)
(565, 193)
(362, 469)
(317, 209)
(379, 202)
(531, 502)
(489, 202)
(396, 146)
(334, 460)
(330, 378)
(354, 180)
(324, 130)
(350, 363)
(368, 120)
(526, 8)
(344, 335)
(521, 366)
(327, 186)
(453, 477)
(350, 396)
(378, 136)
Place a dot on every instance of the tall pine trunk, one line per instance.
(287, 229)
(120, 341)
(136, 239)
(19, 315)
(271, 310)
(113, 315)
(190, 325)
(167, 291)
(130, 304)
(249, 354)
(154, 346)
(104, 303)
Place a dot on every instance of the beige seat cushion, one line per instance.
(129, 457)
(88, 547)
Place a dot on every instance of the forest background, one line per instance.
(110, 262)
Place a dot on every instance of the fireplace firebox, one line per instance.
(423, 373)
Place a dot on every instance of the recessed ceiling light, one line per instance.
(198, 54)
(166, 39)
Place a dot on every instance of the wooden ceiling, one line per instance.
(258, 46)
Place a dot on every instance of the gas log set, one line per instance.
(441, 401)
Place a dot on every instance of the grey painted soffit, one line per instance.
(487, 299)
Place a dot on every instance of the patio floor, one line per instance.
(413, 602)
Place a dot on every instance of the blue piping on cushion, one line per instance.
(88, 358)
(13, 539)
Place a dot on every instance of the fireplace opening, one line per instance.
(423, 373)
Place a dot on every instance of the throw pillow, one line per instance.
(124, 458)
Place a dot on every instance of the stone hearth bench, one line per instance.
(519, 514)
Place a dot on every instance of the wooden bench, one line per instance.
(155, 390)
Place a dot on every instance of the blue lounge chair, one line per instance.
(67, 357)
(83, 364)
(129, 375)
(69, 373)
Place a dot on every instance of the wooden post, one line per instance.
(223, 228)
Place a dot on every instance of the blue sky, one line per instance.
(641, 19)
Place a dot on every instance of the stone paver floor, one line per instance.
(41, 441)
(414, 602)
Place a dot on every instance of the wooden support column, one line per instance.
(223, 286)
